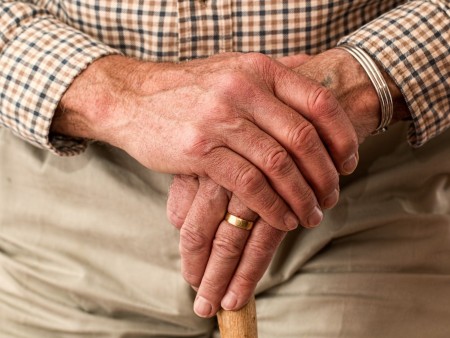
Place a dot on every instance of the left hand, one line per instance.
(213, 252)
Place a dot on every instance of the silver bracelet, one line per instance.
(381, 87)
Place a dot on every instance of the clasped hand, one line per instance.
(313, 143)
(247, 134)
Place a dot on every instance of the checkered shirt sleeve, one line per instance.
(39, 59)
(412, 44)
(45, 44)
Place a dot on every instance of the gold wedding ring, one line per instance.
(238, 222)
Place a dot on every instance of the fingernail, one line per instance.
(349, 166)
(291, 221)
(202, 307)
(331, 200)
(315, 217)
(229, 301)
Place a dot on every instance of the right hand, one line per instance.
(247, 122)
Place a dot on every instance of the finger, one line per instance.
(314, 102)
(294, 61)
(249, 184)
(281, 170)
(200, 225)
(297, 135)
(319, 106)
(182, 192)
(229, 242)
(257, 255)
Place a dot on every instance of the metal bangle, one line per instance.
(380, 85)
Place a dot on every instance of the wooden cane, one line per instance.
(239, 324)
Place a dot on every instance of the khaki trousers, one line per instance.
(86, 250)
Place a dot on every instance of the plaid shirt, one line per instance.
(44, 44)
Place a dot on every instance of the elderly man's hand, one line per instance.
(247, 122)
(213, 252)
(226, 262)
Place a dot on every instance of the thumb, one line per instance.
(294, 61)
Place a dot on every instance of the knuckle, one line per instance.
(263, 248)
(262, 63)
(325, 107)
(191, 279)
(273, 206)
(211, 287)
(231, 84)
(175, 219)
(257, 59)
(307, 198)
(211, 192)
(322, 103)
(193, 241)
(278, 161)
(197, 144)
(331, 179)
(226, 248)
(350, 144)
(249, 180)
(236, 125)
(328, 181)
(231, 79)
(246, 281)
(304, 138)
(181, 181)
(345, 147)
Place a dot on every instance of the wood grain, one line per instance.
(239, 324)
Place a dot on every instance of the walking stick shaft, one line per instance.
(239, 324)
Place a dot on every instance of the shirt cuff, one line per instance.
(412, 44)
(38, 65)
